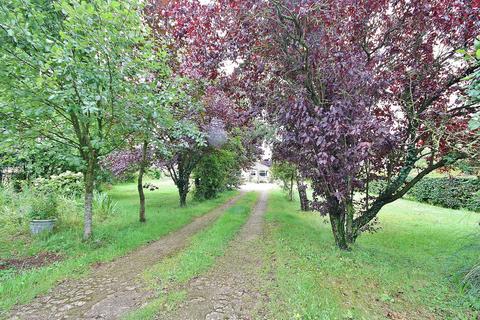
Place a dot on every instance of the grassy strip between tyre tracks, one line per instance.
(205, 247)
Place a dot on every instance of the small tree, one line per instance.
(288, 174)
(71, 70)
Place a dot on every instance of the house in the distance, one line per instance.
(259, 172)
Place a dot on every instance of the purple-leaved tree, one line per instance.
(359, 91)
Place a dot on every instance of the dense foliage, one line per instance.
(220, 169)
(358, 90)
(448, 192)
(67, 183)
(73, 73)
(454, 193)
(33, 159)
(215, 172)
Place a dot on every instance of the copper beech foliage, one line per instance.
(358, 90)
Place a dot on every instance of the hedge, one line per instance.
(453, 193)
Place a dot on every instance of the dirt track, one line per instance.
(234, 288)
(115, 288)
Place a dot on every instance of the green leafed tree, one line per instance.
(219, 169)
(474, 91)
(287, 173)
(71, 72)
(472, 165)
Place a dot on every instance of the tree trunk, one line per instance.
(336, 213)
(349, 233)
(182, 192)
(302, 194)
(290, 190)
(141, 171)
(89, 177)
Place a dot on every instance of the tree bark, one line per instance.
(290, 190)
(302, 194)
(183, 192)
(337, 215)
(141, 171)
(338, 229)
(180, 174)
(349, 234)
(89, 178)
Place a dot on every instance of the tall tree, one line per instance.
(377, 81)
(193, 30)
(70, 70)
(359, 90)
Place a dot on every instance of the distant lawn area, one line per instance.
(409, 269)
(112, 237)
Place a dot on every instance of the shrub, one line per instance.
(43, 207)
(453, 193)
(67, 183)
(18, 208)
(217, 171)
(13, 209)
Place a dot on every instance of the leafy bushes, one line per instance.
(13, 210)
(67, 183)
(217, 171)
(18, 208)
(453, 193)
(56, 197)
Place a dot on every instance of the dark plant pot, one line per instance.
(38, 226)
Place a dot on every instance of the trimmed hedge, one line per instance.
(453, 193)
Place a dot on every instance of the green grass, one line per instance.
(113, 237)
(406, 270)
(201, 254)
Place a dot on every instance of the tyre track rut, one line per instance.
(235, 287)
(113, 288)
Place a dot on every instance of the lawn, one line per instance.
(113, 237)
(409, 269)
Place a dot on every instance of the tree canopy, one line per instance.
(358, 90)
(72, 71)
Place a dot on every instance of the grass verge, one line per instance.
(406, 270)
(204, 248)
(112, 238)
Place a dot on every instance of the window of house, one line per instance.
(263, 173)
(253, 173)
